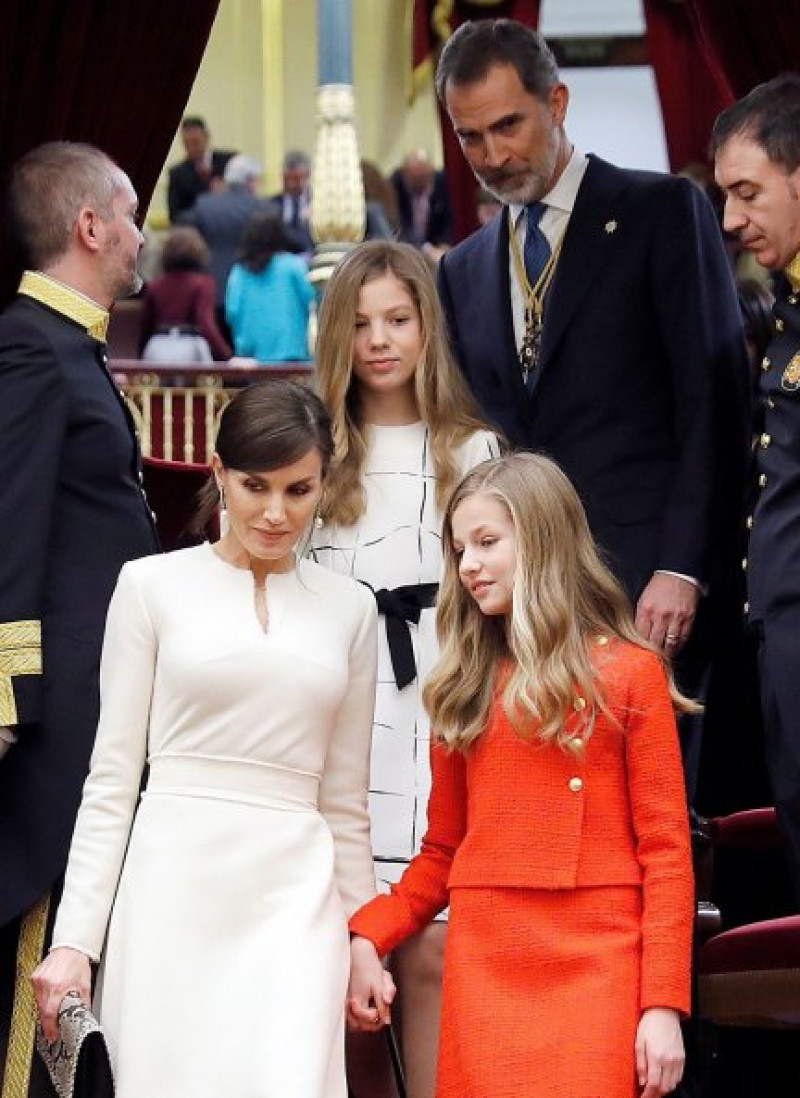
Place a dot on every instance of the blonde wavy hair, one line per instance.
(563, 598)
(443, 399)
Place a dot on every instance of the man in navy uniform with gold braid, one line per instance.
(72, 511)
(757, 152)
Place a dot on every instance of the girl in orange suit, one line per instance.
(557, 824)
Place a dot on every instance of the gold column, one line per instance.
(338, 214)
(272, 92)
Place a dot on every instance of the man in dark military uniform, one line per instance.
(757, 152)
(71, 513)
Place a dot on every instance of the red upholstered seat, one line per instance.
(753, 829)
(750, 976)
(171, 488)
(774, 943)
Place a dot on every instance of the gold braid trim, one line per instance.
(23, 1016)
(792, 272)
(67, 301)
(440, 19)
(20, 654)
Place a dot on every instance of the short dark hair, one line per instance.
(263, 237)
(266, 426)
(184, 250)
(769, 115)
(194, 122)
(49, 187)
(476, 47)
(295, 159)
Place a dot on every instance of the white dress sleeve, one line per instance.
(345, 778)
(112, 788)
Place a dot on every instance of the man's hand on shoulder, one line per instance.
(7, 740)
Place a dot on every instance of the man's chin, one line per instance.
(521, 195)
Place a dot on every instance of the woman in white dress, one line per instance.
(406, 430)
(244, 679)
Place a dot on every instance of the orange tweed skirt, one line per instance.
(541, 993)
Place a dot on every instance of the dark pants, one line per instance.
(779, 674)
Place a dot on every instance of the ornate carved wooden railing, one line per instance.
(176, 408)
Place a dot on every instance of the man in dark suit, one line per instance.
(72, 512)
(201, 171)
(597, 320)
(423, 202)
(221, 217)
(757, 152)
(293, 204)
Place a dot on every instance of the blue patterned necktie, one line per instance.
(536, 250)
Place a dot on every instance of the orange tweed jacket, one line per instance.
(517, 814)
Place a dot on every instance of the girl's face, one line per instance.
(485, 542)
(388, 338)
(269, 512)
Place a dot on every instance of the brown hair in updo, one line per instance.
(266, 426)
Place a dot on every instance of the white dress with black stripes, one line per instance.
(397, 542)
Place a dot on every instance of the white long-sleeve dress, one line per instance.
(220, 909)
(398, 542)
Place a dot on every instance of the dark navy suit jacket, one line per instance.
(641, 391)
(71, 513)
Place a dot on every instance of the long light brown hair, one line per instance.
(564, 598)
(445, 404)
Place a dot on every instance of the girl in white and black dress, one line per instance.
(405, 430)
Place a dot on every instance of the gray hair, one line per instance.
(240, 170)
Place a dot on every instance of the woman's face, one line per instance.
(388, 336)
(269, 512)
(485, 543)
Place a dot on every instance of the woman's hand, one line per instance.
(62, 970)
(659, 1052)
(371, 989)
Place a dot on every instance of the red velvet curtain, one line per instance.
(462, 183)
(691, 97)
(747, 41)
(115, 73)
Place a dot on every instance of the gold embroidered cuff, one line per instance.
(20, 654)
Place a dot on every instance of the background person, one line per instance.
(406, 430)
(201, 171)
(568, 869)
(244, 678)
(182, 298)
(268, 296)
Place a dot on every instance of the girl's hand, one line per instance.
(371, 989)
(659, 1052)
(62, 970)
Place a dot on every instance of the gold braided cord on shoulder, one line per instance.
(23, 1016)
(20, 654)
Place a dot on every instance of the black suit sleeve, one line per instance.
(700, 331)
(33, 416)
(446, 300)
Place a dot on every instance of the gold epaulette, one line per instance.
(20, 654)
